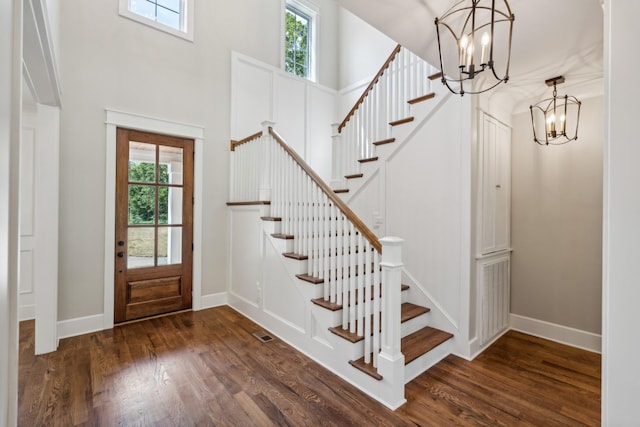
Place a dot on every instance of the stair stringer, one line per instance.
(422, 112)
(368, 197)
(310, 335)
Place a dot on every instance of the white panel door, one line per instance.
(495, 173)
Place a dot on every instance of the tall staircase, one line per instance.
(362, 312)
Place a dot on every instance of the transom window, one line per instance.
(299, 39)
(172, 16)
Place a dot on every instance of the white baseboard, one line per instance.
(88, 324)
(80, 326)
(214, 300)
(26, 312)
(558, 333)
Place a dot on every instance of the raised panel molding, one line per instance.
(302, 110)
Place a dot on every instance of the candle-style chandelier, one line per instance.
(479, 33)
(555, 120)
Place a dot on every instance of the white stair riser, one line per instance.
(414, 325)
(427, 360)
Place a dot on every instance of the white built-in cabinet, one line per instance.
(493, 237)
(495, 191)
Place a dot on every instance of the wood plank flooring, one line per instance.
(205, 368)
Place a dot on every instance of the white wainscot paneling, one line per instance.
(26, 296)
(320, 106)
(290, 106)
(245, 245)
(281, 299)
(302, 110)
(494, 307)
(252, 97)
(27, 303)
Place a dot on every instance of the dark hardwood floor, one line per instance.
(205, 368)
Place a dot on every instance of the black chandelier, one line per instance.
(555, 120)
(479, 33)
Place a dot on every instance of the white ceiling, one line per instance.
(550, 38)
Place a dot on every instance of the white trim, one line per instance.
(558, 333)
(313, 12)
(214, 300)
(26, 312)
(186, 18)
(117, 119)
(46, 215)
(80, 326)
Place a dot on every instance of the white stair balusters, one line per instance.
(342, 253)
(403, 78)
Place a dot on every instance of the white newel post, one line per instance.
(337, 159)
(265, 178)
(391, 359)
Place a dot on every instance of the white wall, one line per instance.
(10, 108)
(362, 51)
(621, 269)
(110, 61)
(556, 224)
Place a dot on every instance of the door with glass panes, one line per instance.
(154, 224)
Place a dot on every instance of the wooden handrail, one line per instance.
(234, 143)
(337, 201)
(368, 89)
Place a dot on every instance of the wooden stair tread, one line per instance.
(317, 280)
(409, 311)
(401, 121)
(310, 279)
(421, 342)
(335, 307)
(421, 98)
(271, 218)
(355, 175)
(436, 76)
(370, 159)
(283, 236)
(413, 346)
(257, 202)
(342, 190)
(299, 257)
(367, 368)
(384, 141)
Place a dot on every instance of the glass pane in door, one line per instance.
(142, 162)
(142, 204)
(170, 205)
(169, 245)
(140, 247)
(170, 165)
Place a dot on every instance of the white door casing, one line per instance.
(115, 119)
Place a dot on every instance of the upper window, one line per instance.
(299, 39)
(172, 16)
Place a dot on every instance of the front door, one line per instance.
(154, 224)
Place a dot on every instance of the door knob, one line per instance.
(120, 254)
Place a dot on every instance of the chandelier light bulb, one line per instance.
(486, 39)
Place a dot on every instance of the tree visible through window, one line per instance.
(297, 42)
(166, 12)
